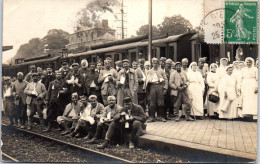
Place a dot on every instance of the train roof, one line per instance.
(173, 38)
(199, 35)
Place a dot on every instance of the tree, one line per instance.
(144, 30)
(174, 25)
(93, 11)
(54, 41)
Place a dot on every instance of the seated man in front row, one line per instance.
(71, 114)
(89, 117)
(107, 117)
(132, 116)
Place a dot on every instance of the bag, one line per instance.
(214, 97)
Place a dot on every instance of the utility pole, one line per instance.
(121, 26)
(150, 31)
(122, 17)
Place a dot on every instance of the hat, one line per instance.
(6, 78)
(108, 58)
(168, 61)
(58, 72)
(229, 66)
(146, 63)
(75, 64)
(75, 94)
(163, 59)
(154, 59)
(118, 62)
(92, 97)
(35, 74)
(63, 62)
(32, 66)
(111, 98)
(19, 74)
(185, 60)
(177, 63)
(125, 60)
(202, 59)
(83, 97)
(127, 100)
(141, 60)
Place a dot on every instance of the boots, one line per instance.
(29, 127)
(74, 124)
(179, 116)
(67, 129)
(71, 134)
(48, 128)
(188, 118)
(93, 141)
(104, 145)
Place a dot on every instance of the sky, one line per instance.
(27, 19)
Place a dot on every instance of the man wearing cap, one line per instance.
(48, 78)
(167, 99)
(89, 117)
(179, 95)
(157, 85)
(146, 66)
(84, 67)
(75, 81)
(20, 98)
(8, 101)
(162, 63)
(119, 65)
(91, 81)
(108, 78)
(110, 111)
(64, 68)
(141, 76)
(28, 77)
(127, 83)
(54, 99)
(133, 118)
(71, 114)
(36, 93)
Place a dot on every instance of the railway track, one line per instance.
(8, 158)
(95, 154)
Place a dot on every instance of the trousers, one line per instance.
(156, 100)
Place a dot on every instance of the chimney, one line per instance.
(105, 23)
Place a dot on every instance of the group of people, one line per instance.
(89, 98)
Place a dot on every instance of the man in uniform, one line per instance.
(184, 65)
(168, 107)
(200, 65)
(64, 68)
(162, 63)
(127, 83)
(36, 93)
(119, 65)
(28, 77)
(48, 78)
(134, 65)
(89, 117)
(84, 67)
(141, 76)
(178, 85)
(91, 81)
(106, 119)
(53, 100)
(108, 78)
(156, 85)
(20, 99)
(75, 81)
(71, 114)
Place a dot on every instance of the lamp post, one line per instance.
(64, 53)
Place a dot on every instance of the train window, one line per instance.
(93, 59)
(133, 56)
(116, 57)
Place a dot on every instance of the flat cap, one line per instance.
(141, 60)
(168, 61)
(147, 63)
(92, 97)
(109, 58)
(64, 62)
(185, 60)
(155, 59)
(202, 59)
(163, 59)
(111, 98)
(19, 74)
(177, 63)
(35, 74)
(83, 97)
(32, 66)
(75, 64)
(127, 100)
(125, 60)
(118, 62)
(6, 78)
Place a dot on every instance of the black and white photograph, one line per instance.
(129, 81)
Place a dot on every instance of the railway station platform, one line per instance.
(208, 140)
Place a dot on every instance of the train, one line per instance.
(189, 45)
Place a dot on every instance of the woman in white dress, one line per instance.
(195, 89)
(228, 95)
(249, 88)
(212, 81)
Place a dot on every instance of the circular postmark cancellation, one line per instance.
(237, 22)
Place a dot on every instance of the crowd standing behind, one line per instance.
(84, 99)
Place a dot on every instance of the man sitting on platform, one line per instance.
(89, 117)
(107, 117)
(71, 114)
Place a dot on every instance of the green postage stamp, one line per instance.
(228, 21)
